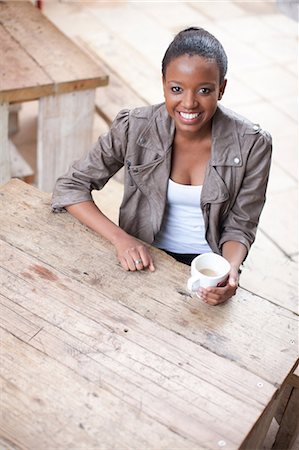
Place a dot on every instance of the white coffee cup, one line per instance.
(208, 269)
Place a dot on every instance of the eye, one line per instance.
(176, 89)
(204, 91)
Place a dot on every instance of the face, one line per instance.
(192, 89)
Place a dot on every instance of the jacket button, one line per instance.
(256, 127)
(142, 140)
(236, 160)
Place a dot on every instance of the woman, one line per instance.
(196, 173)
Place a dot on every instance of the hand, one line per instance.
(220, 294)
(133, 254)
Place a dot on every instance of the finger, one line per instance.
(146, 258)
(131, 262)
(139, 263)
(137, 259)
(151, 265)
(124, 263)
(207, 300)
(214, 296)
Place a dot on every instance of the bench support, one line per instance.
(288, 416)
(65, 124)
(5, 173)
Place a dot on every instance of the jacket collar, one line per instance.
(158, 136)
(226, 150)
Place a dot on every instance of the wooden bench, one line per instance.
(118, 94)
(40, 62)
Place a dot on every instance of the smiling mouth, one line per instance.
(189, 116)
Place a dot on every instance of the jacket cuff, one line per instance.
(59, 206)
(238, 237)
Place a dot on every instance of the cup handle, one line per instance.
(193, 284)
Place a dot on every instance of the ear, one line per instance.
(222, 89)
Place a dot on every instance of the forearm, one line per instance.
(234, 252)
(132, 253)
(89, 214)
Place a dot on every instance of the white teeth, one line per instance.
(188, 116)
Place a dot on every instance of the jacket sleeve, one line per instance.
(94, 169)
(242, 221)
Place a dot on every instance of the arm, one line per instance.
(73, 193)
(242, 220)
(128, 248)
(239, 228)
(235, 253)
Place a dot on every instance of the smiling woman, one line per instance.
(192, 89)
(196, 172)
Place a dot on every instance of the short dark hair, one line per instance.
(196, 41)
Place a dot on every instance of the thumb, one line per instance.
(232, 281)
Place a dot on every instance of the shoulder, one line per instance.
(133, 122)
(148, 112)
(242, 125)
(143, 113)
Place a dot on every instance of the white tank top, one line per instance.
(183, 229)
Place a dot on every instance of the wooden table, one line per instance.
(94, 357)
(37, 61)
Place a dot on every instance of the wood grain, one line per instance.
(64, 133)
(5, 171)
(107, 344)
(47, 61)
(19, 72)
(95, 357)
(225, 330)
(118, 94)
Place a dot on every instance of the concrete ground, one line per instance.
(261, 40)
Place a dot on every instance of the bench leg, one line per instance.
(65, 124)
(5, 173)
(289, 425)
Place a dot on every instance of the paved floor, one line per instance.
(261, 40)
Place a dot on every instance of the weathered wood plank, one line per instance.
(18, 324)
(118, 94)
(65, 126)
(63, 409)
(174, 17)
(267, 350)
(5, 172)
(145, 38)
(280, 207)
(270, 274)
(289, 427)
(19, 71)
(19, 167)
(62, 61)
(106, 342)
(211, 10)
(135, 68)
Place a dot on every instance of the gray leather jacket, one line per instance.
(235, 182)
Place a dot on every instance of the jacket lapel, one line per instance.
(158, 135)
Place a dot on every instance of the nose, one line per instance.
(190, 100)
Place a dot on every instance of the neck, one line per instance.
(201, 135)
